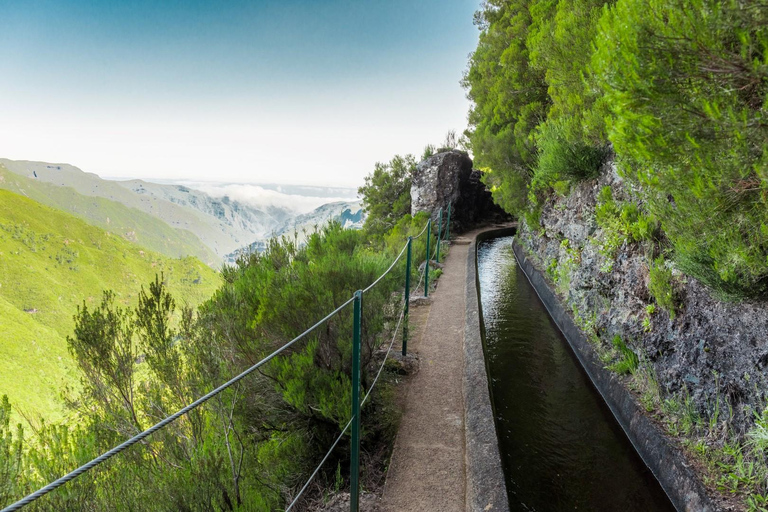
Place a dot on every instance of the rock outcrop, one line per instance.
(714, 353)
(448, 178)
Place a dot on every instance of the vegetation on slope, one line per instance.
(130, 223)
(679, 90)
(254, 445)
(51, 263)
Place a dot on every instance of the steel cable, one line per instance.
(388, 270)
(422, 232)
(389, 349)
(170, 419)
(378, 374)
(314, 473)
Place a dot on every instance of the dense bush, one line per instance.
(686, 85)
(387, 192)
(661, 285)
(680, 90)
(509, 100)
(250, 447)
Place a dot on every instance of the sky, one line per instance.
(285, 91)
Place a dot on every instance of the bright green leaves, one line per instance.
(11, 454)
(680, 89)
(535, 114)
(686, 88)
(387, 193)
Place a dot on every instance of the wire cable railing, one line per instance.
(354, 421)
(382, 276)
(365, 398)
(170, 419)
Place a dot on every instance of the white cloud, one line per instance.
(260, 197)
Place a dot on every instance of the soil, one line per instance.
(428, 468)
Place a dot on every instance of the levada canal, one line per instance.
(561, 447)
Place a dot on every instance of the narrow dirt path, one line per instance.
(427, 469)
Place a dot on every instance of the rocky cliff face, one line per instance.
(712, 353)
(448, 178)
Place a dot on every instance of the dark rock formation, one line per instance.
(448, 178)
(714, 352)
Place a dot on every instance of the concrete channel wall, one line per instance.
(486, 488)
(662, 457)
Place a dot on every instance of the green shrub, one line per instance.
(387, 193)
(661, 286)
(11, 454)
(686, 84)
(560, 158)
(509, 100)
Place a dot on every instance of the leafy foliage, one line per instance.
(387, 192)
(686, 85)
(11, 454)
(679, 90)
(509, 100)
(627, 361)
(249, 447)
(661, 285)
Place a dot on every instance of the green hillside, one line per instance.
(130, 223)
(50, 262)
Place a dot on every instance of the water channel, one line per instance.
(561, 447)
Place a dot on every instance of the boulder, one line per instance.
(448, 178)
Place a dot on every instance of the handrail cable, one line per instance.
(373, 384)
(421, 278)
(314, 473)
(388, 270)
(422, 232)
(383, 362)
(135, 439)
(170, 419)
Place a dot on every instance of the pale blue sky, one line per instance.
(264, 91)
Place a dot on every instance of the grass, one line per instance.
(50, 263)
(661, 286)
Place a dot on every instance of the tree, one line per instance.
(387, 193)
(509, 100)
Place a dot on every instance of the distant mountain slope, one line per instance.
(221, 224)
(130, 223)
(50, 262)
(349, 213)
(244, 221)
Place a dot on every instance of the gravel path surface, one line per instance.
(428, 468)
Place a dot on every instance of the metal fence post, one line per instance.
(354, 460)
(407, 294)
(448, 224)
(439, 232)
(426, 269)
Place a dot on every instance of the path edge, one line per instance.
(663, 458)
(486, 487)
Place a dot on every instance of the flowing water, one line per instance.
(560, 445)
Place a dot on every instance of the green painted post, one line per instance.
(448, 224)
(354, 462)
(407, 293)
(439, 232)
(426, 268)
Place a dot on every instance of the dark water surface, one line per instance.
(560, 445)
